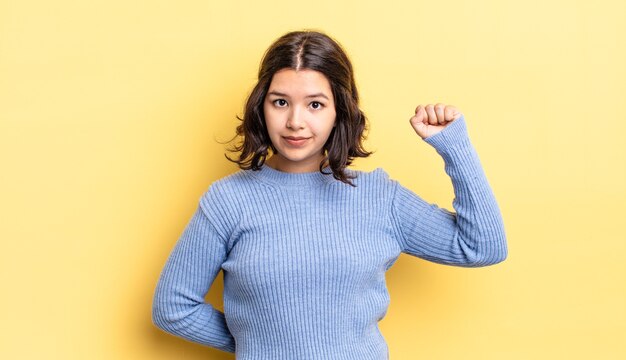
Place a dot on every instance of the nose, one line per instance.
(295, 121)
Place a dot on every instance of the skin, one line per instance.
(300, 114)
(299, 111)
(431, 119)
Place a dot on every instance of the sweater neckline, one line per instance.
(281, 178)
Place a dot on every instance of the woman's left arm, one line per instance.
(474, 234)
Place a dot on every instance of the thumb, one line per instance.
(421, 129)
(419, 121)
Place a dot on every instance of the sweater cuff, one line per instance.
(451, 136)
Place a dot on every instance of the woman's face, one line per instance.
(299, 111)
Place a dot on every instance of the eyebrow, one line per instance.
(308, 96)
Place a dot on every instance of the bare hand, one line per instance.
(431, 119)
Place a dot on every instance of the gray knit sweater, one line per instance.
(304, 256)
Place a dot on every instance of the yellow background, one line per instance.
(110, 113)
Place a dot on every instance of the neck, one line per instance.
(299, 181)
(280, 163)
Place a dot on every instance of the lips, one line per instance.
(296, 140)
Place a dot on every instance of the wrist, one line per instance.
(451, 136)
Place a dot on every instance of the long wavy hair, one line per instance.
(317, 51)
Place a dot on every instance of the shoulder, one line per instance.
(362, 175)
(377, 178)
(224, 193)
(230, 183)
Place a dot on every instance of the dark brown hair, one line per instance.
(315, 51)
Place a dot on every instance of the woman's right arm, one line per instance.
(178, 306)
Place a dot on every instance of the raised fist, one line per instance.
(431, 119)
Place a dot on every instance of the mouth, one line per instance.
(295, 140)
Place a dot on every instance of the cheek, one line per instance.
(331, 121)
(270, 118)
(266, 114)
(323, 130)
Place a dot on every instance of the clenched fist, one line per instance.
(431, 119)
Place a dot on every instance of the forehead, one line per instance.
(301, 82)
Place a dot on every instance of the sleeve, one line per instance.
(473, 235)
(178, 306)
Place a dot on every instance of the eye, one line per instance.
(316, 105)
(280, 102)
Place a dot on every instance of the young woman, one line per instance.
(303, 241)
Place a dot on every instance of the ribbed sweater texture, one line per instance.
(304, 255)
